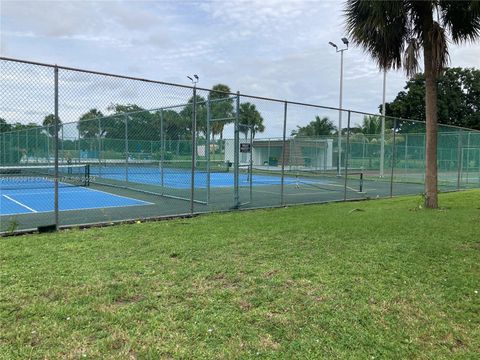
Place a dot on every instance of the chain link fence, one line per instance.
(80, 147)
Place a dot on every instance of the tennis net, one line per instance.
(42, 176)
(148, 167)
(306, 178)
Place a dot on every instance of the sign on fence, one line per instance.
(245, 148)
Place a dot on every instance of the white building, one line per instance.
(300, 153)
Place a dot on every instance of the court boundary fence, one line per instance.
(342, 169)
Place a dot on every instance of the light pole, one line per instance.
(382, 141)
(345, 42)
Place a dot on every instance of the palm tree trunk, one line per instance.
(431, 196)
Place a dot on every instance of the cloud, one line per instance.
(270, 48)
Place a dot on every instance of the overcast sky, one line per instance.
(269, 48)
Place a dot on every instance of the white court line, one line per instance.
(81, 190)
(79, 209)
(19, 203)
(120, 196)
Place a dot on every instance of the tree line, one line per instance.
(144, 124)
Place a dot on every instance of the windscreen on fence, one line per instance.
(122, 149)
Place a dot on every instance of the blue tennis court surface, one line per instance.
(38, 200)
(181, 178)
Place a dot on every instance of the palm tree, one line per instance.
(87, 126)
(250, 116)
(221, 108)
(49, 124)
(394, 33)
(318, 127)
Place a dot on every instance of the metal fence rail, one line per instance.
(152, 149)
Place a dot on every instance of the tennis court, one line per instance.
(167, 150)
(180, 178)
(30, 190)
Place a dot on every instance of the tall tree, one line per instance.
(49, 124)
(4, 126)
(201, 113)
(141, 124)
(318, 127)
(371, 125)
(221, 105)
(388, 29)
(88, 126)
(458, 98)
(250, 116)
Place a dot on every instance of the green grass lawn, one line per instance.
(380, 279)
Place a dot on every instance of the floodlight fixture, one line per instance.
(345, 41)
(193, 79)
(334, 45)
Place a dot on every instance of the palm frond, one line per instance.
(410, 58)
(379, 27)
(461, 18)
(440, 47)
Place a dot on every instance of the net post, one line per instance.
(207, 149)
(55, 201)
(194, 150)
(126, 148)
(459, 159)
(284, 153)
(236, 156)
(394, 151)
(346, 156)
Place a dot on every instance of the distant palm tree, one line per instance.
(394, 32)
(251, 117)
(318, 127)
(49, 124)
(221, 108)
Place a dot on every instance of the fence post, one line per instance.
(194, 149)
(459, 159)
(394, 150)
(284, 153)
(36, 145)
(207, 149)
(236, 156)
(406, 155)
(99, 140)
(347, 153)
(126, 148)
(251, 164)
(55, 201)
(468, 155)
(162, 150)
(99, 147)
